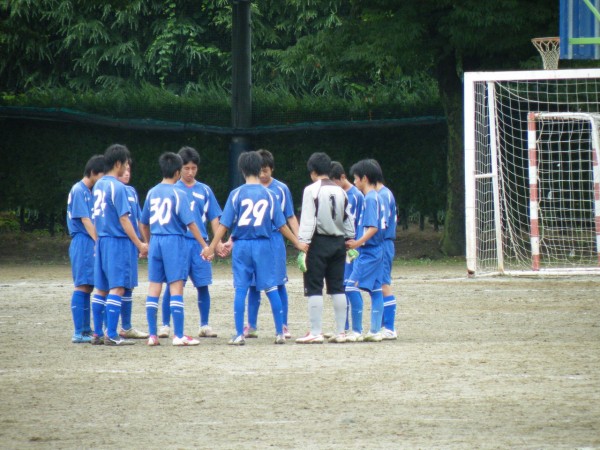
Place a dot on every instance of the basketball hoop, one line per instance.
(549, 48)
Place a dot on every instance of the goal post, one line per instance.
(532, 181)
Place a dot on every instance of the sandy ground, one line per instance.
(479, 363)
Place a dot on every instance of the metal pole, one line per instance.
(241, 88)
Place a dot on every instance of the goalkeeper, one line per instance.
(325, 225)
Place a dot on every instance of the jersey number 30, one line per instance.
(161, 210)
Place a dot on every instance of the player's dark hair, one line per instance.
(368, 168)
(189, 154)
(336, 171)
(374, 161)
(170, 163)
(320, 163)
(267, 158)
(250, 164)
(95, 165)
(114, 154)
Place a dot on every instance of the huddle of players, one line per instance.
(258, 215)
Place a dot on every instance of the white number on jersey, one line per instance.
(99, 203)
(257, 210)
(161, 210)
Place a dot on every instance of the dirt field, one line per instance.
(484, 363)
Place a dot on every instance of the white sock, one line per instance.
(315, 314)
(339, 310)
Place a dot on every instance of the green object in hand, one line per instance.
(351, 255)
(301, 261)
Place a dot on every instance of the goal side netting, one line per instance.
(532, 180)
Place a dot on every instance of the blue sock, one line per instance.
(86, 313)
(376, 311)
(151, 313)
(113, 311)
(347, 326)
(356, 308)
(203, 304)
(389, 312)
(177, 313)
(98, 307)
(166, 307)
(126, 305)
(239, 305)
(283, 295)
(275, 301)
(77, 305)
(253, 307)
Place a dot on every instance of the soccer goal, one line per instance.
(532, 180)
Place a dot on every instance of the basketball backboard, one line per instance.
(580, 29)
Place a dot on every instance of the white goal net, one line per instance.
(532, 181)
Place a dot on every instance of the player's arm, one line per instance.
(214, 224)
(209, 252)
(285, 230)
(292, 222)
(89, 227)
(145, 230)
(369, 233)
(196, 232)
(130, 232)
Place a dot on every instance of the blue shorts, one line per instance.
(112, 267)
(81, 253)
(367, 272)
(252, 264)
(200, 270)
(168, 258)
(280, 259)
(389, 250)
(135, 253)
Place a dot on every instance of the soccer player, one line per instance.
(112, 270)
(127, 330)
(355, 203)
(167, 216)
(80, 208)
(205, 209)
(251, 213)
(324, 226)
(284, 198)
(367, 272)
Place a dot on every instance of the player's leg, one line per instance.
(99, 298)
(154, 289)
(126, 308)
(127, 329)
(81, 253)
(355, 299)
(334, 279)
(251, 331)
(389, 300)
(239, 306)
(283, 295)
(166, 313)
(200, 272)
(280, 259)
(77, 313)
(374, 334)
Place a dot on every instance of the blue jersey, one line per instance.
(283, 196)
(251, 212)
(204, 205)
(371, 217)
(386, 198)
(110, 203)
(80, 205)
(136, 211)
(167, 210)
(355, 204)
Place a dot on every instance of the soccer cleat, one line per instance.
(388, 335)
(97, 340)
(354, 336)
(80, 339)
(338, 338)
(250, 333)
(286, 332)
(237, 340)
(185, 341)
(206, 331)
(373, 337)
(164, 331)
(133, 333)
(117, 342)
(328, 335)
(301, 262)
(310, 339)
(153, 341)
(280, 339)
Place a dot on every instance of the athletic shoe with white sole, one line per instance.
(206, 331)
(237, 340)
(185, 341)
(328, 335)
(310, 339)
(133, 333)
(250, 333)
(354, 336)
(118, 341)
(80, 339)
(388, 335)
(373, 337)
(164, 331)
(153, 341)
(280, 339)
(286, 332)
(338, 338)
